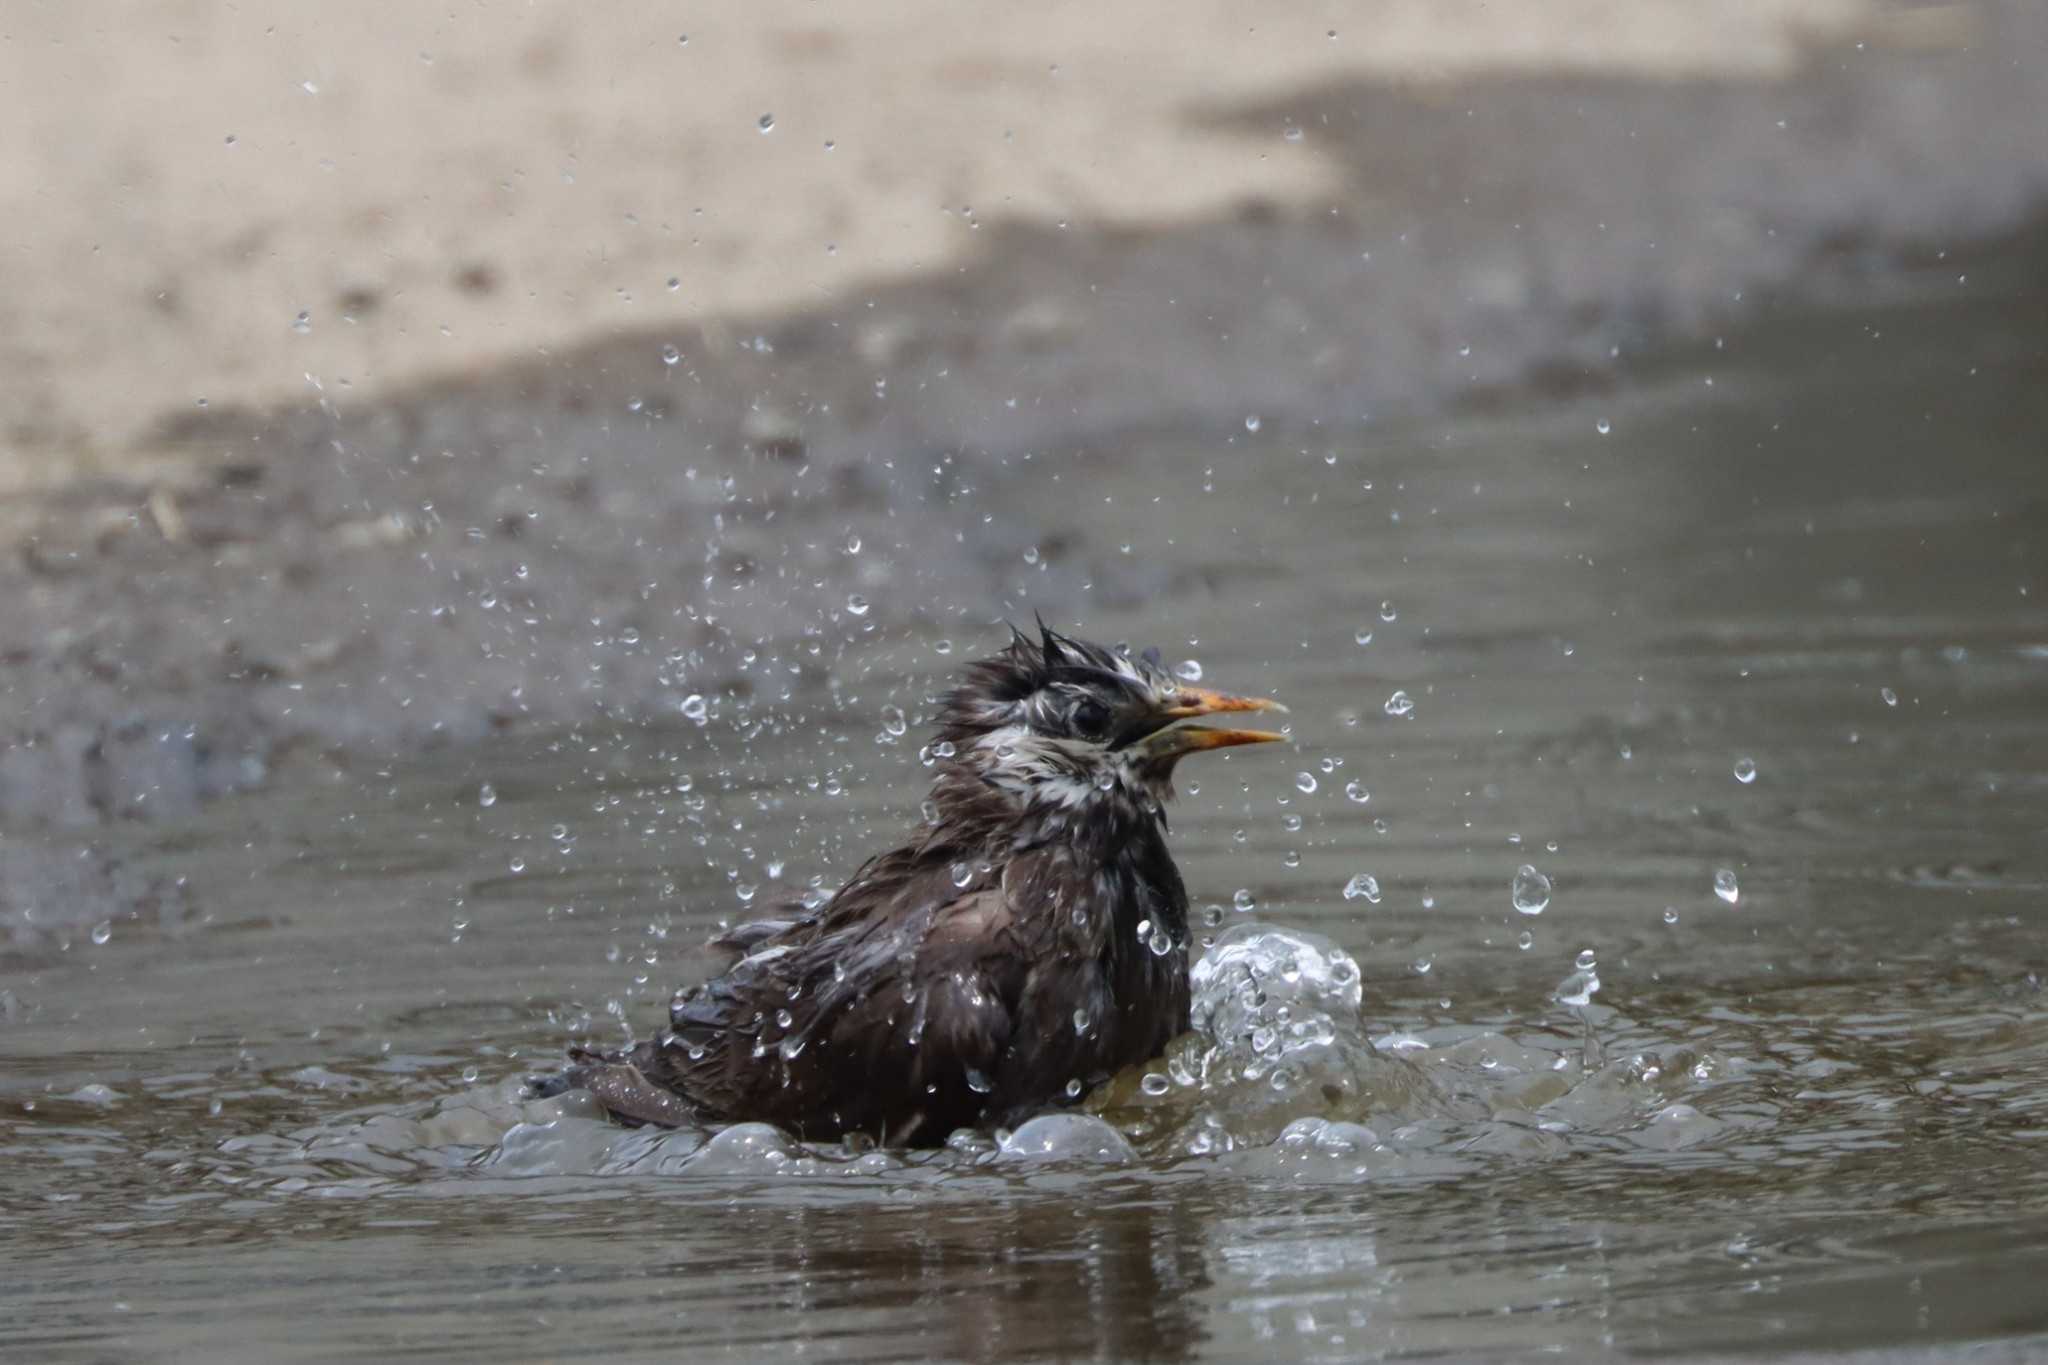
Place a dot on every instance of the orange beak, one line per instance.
(1200, 701)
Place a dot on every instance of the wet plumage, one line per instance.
(1025, 943)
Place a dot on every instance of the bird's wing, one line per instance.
(892, 1024)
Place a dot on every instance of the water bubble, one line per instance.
(1305, 783)
(1031, 554)
(1891, 698)
(1400, 704)
(1602, 426)
(1380, 825)
(1363, 638)
(303, 323)
(1423, 964)
(1586, 960)
(102, 931)
(1671, 914)
(674, 283)
(1155, 1083)
(1531, 890)
(853, 544)
(766, 123)
(1525, 940)
(942, 646)
(487, 796)
(1159, 941)
(469, 1075)
(1725, 887)
(1292, 133)
(670, 355)
(1745, 770)
(1188, 670)
(1364, 884)
(1387, 612)
(695, 708)
(893, 721)
(1357, 791)
(518, 864)
(1243, 900)
(945, 748)
(856, 604)
(1251, 423)
(962, 874)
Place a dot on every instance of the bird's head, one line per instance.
(1062, 722)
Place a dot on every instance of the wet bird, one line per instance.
(1025, 943)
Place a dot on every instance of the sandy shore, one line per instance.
(437, 193)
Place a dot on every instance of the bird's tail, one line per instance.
(619, 1082)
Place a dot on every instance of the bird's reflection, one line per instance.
(1055, 1276)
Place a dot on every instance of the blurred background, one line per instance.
(489, 492)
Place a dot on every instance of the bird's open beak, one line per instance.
(1200, 701)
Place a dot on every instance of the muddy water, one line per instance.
(1809, 1110)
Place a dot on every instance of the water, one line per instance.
(1814, 1114)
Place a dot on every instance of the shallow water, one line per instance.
(281, 1115)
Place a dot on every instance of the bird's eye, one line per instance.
(1090, 719)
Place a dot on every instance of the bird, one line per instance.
(1025, 942)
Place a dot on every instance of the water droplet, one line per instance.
(487, 795)
(1356, 790)
(303, 323)
(1725, 886)
(1242, 899)
(1745, 770)
(670, 355)
(1531, 890)
(1305, 783)
(1671, 914)
(1578, 989)
(102, 931)
(766, 123)
(1188, 670)
(856, 604)
(1252, 423)
(1155, 1083)
(1363, 637)
(1423, 964)
(893, 721)
(1364, 884)
(1387, 612)
(1891, 698)
(1400, 704)
(1602, 426)
(1292, 133)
